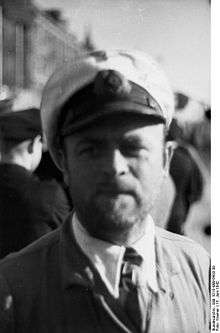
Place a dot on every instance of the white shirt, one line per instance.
(107, 257)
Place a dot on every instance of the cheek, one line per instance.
(151, 179)
(149, 173)
(81, 178)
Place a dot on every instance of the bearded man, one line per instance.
(108, 268)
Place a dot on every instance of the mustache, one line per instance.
(117, 187)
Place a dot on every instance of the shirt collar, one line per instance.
(107, 257)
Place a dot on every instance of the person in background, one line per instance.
(108, 268)
(198, 224)
(28, 208)
(48, 171)
(187, 178)
(200, 138)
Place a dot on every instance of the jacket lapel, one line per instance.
(81, 283)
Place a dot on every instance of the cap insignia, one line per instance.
(111, 83)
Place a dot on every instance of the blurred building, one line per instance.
(32, 44)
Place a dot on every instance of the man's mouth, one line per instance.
(114, 190)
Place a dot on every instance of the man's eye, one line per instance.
(132, 149)
(87, 150)
(90, 150)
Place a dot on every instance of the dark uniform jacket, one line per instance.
(29, 208)
(51, 286)
(188, 181)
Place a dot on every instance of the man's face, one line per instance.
(115, 169)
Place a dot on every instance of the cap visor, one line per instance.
(114, 109)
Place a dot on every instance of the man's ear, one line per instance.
(33, 142)
(30, 147)
(169, 148)
(64, 166)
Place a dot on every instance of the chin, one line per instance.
(122, 207)
(110, 223)
(106, 216)
(119, 202)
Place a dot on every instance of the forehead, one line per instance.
(121, 127)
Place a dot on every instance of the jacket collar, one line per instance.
(107, 257)
(77, 269)
(166, 260)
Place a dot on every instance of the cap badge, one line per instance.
(111, 83)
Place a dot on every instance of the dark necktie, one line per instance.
(132, 294)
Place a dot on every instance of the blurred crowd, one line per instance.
(32, 188)
(188, 189)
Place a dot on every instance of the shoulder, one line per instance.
(27, 265)
(180, 243)
(13, 174)
(50, 191)
(185, 251)
(22, 276)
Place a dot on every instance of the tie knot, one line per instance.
(131, 256)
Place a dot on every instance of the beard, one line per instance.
(109, 217)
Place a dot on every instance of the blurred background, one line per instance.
(36, 36)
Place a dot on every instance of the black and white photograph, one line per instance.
(105, 167)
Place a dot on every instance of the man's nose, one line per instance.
(116, 163)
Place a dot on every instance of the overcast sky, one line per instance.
(176, 32)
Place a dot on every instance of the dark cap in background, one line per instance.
(20, 125)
